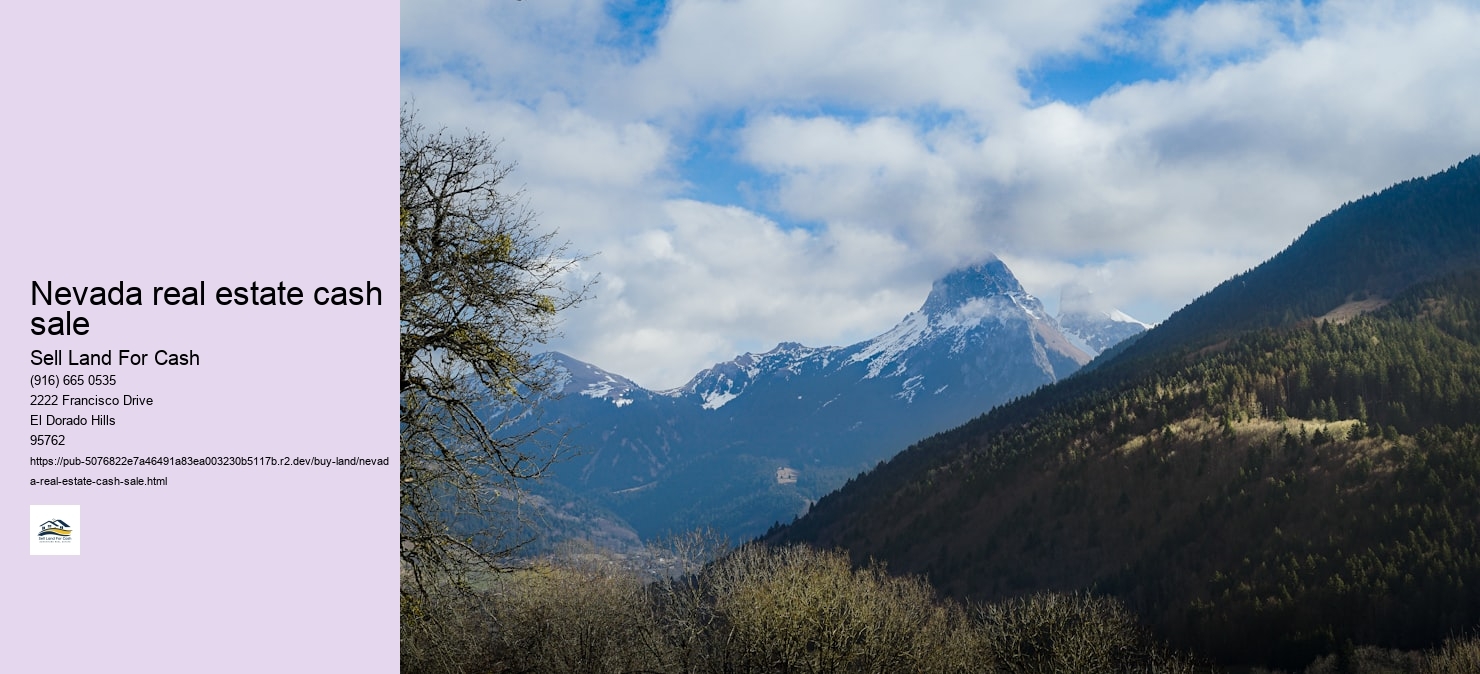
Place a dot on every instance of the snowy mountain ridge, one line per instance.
(1091, 326)
(588, 380)
(709, 453)
(963, 308)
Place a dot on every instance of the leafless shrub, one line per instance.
(795, 610)
(1457, 656)
(1051, 632)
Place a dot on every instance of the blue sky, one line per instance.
(752, 171)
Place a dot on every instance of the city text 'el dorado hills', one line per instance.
(123, 357)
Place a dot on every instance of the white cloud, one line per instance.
(711, 281)
(878, 54)
(883, 54)
(1219, 30)
(902, 137)
(784, 144)
(514, 51)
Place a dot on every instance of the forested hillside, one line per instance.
(1261, 484)
(1374, 247)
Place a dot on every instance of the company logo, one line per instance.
(56, 530)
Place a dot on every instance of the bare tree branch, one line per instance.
(481, 288)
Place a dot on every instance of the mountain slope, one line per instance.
(1374, 247)
(1257, 484)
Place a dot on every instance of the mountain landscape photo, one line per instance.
(1081, 336)
(1287, 466)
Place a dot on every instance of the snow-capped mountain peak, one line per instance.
(960, 304)
(725, 381)
(961, 286)
(1090, 324)
(574, 376)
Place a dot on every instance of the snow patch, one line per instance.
(884, 349)
(610, 389)
(599, 389)
(1079, 342)
(909, 388)
(714, 400)
(1120, 317)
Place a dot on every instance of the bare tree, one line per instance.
(481, 288)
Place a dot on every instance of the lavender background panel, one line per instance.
(174, 143)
